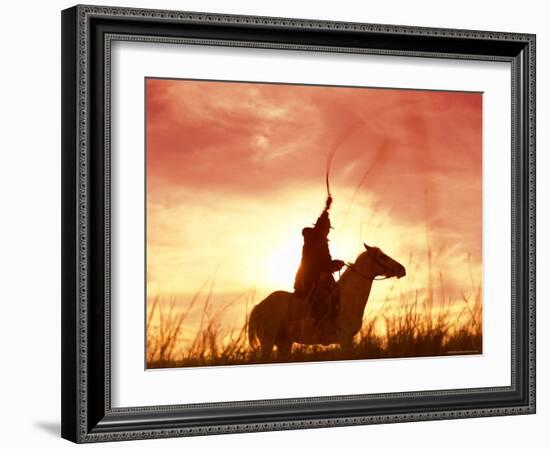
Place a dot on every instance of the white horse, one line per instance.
(281, 319)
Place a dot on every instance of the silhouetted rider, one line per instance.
(314, 280)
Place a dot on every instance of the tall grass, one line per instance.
(405, 327)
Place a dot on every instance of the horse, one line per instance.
(282, 319)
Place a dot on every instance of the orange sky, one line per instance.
(236, 170)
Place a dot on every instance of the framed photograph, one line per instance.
(278, 223)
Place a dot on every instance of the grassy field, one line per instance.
(403, 327)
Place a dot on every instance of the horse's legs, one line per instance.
(267, 347)
(346, 343)
(284, 348)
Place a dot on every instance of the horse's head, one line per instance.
(373, 262)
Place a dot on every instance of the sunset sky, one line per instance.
(236, 170)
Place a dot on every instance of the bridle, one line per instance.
(352, 268)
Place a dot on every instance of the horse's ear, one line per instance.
(367, 247)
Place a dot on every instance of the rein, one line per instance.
(352, 268)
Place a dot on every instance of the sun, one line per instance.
(282, 260)
(281, 265)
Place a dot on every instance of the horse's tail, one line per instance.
(252, 328)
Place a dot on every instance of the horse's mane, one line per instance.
(348, 270)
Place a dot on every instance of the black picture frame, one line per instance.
(87, 414)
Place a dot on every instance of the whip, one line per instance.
(345, 134)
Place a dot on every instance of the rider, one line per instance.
(314, 280)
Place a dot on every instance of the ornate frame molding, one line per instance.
(81, 410)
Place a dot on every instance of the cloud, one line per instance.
(234, 169)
